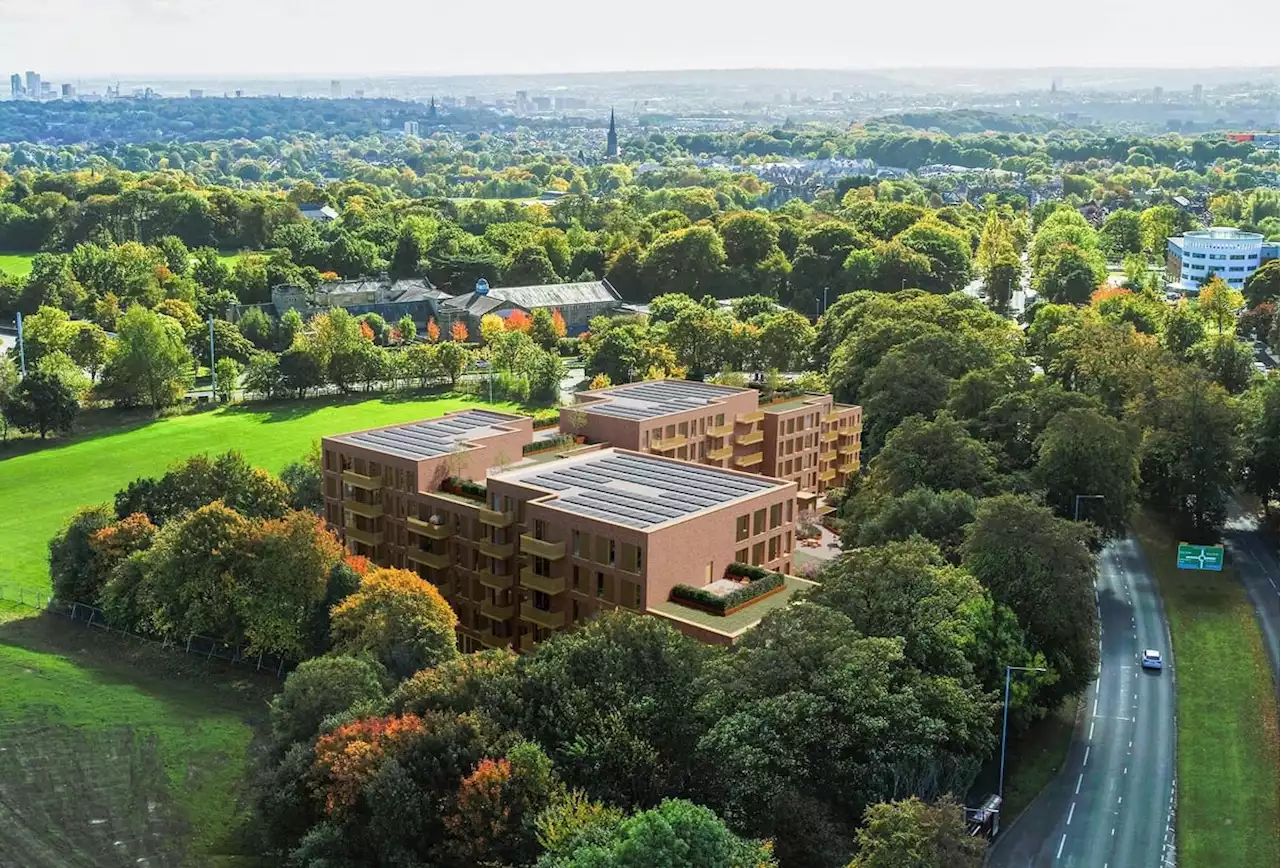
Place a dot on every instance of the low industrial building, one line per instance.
(524, 542)
(389, 299)
(576, 302)
(809, 439)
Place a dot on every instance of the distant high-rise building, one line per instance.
(16, 90)
(1157, 94)
(411, 128)
(1197, 93)
(335, 89)
(473, 102)
(196, 93)
(68, 91)
(47, 90)
(358, 94)
(522, 101)
(611, 141)
(33, 84)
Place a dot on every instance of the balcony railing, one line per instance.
(430, 559)
(496, 550)
(367, 537)
(828, 456)
(750, 418)
(750, 438)
(720, 430)
(827, 475)
(427, 529)
(490, 639)
(850, 467)
(550, 620)
(368, 510)
(666, 444)
(832, 417)
(850, 449)
(496, 611)
(528, 644)
(359, 480)
(490, 579)
(530, 545)
(720, 454)
(750, 460)
(549, 585)
(828, 437)
(496, 518)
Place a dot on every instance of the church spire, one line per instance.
(611, 142)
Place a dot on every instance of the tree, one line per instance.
(1121, 234)
(256, 328)
(47, 331)
(74, 565)
(458, 332)
(1069, 274)
(407, 328)
(9, 378)
(304, 481)
(947, 250)
(939, 455)
(299, 369)
(530, 266)
(200, 480)
(546, 330)
(149, 363)
(749, 238)
(1264, 284)
(785, 341)
(228, 372)
(290, 327)
(1085, 452)
(676, 834)
(914, 834)
(42, 402)
(399, 618)
(1039, 566)
(318, 688)
(1260, 440)
(872, 518)
(1219, 304)
(89, 348)
(433, 331)
(453, 359)
(687, 260)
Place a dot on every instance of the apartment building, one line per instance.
(809, 440)
(536, 544)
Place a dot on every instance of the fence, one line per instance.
(195, 645)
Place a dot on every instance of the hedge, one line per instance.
(762, 582)
(546, 418)
(547, 443)
(464, 488)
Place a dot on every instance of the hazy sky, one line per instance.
(346, 38)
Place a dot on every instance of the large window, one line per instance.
(775, 515)
(757, 522)
(744, 527)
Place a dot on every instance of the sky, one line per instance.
(347, 38)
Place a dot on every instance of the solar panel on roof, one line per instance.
(659, 398)
(428, 439)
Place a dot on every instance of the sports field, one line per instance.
(19, 264)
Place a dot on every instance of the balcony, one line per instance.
(850, 466)
(832, 417)
(720, 454)
(852, 431)
(720, 430)
(828, 456)
(549, 585)
(750, 418)
(550, 620)
(490, 639)
(496, 550)
(428, 559)
(359, 480)
(368, 510)
(528, 644)
(850, 449)
(530, 545)
(496, 518)
(497, 612)
(828, 437)
(750, 438)
(826, 476)
(427, 529)
(750, 460)
(369, 538)
(667, 444)
(490, 579)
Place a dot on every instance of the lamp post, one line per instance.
(1080, 497)
(1004, 730)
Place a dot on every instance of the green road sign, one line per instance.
(1199, 557)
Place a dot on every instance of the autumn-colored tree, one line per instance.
(365, 331)
(350, 755)
(433, 330)
(601, 381)
(458, 332)
(492, 327)
(399, 618)
(359, 564)
(116, 542)
(518, 321)
(1105, 292)
(557, 320)
(482, 816)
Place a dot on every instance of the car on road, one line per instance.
(1151, 660)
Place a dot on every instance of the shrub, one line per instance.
(464, 488)
(549, 443)
(762, 581)
(547, 417)
(568, 347)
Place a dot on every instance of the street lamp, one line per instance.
(1004, 730)
(1080, 497)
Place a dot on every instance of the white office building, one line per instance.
(1231, 254)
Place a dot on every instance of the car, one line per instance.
(1151, 660)
(1260, 367)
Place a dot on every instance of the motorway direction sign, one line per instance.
(1192, 557)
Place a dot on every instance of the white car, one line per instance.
(1151, 660)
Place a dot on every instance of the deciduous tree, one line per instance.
(399, 618)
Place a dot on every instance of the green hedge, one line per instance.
(465, 488)
(762, 582)
(547, 443)
(546, 418)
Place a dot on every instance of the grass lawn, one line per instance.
(114, 752)
(1228, 738)
(17, 264)
(46, 485)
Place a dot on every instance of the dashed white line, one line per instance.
(1091, 732)
(1071, 813)
(1086, 756)
(1079, 781)
(1061, 844)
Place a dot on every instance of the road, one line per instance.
(1111, 806)
(1254, 556)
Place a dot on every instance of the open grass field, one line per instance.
(17, 264)
(47, 485)
(1228, 736)
(116, 753)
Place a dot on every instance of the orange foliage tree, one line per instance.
(365, 331)
(557, 320)
(519, 321)
(433, 330)
(482, 812)
(1105, 292)
(398, 617)
(458, 332)
(352, 754)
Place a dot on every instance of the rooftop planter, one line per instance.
(465, 488)
(549, 443)
(761, 583)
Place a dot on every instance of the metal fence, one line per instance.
(195, 645)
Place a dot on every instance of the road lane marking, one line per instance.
(1071, 813)
(1061, 844)
(1079, 781)
(1090, 732)
(1086, 756)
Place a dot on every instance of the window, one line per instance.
(757, 522)
(600, 590)
(719, 419)
(613, 553)
(601, 555)
(575, 610)
(629, 594)
(775, 515)
(791, 426)
(539, 529)
(786, 546)
(542, 567)
(630, 558)
(683, 431)
(789, 508)
(774, 543)
(577, 578)
(744, 527)
(740, 556)
(757, 554)
(581, 543)
(541, 601)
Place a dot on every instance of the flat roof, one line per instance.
(655, 398)
(430, 438)
(740, 621)
(637, 489)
